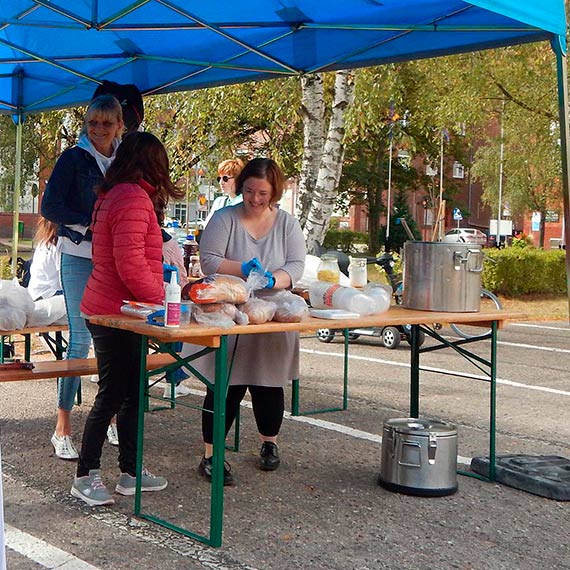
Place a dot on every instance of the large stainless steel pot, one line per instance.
(419, 457)
(442, 276)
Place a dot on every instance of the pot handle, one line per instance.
(477, 265)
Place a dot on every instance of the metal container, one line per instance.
(442, 276)
(419, 457)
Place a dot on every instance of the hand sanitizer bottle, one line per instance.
(172, 302)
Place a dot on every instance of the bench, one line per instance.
(73, 367)
(52, 334)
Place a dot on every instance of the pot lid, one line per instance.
(420, 427)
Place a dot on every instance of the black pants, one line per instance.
(118, 361)
(268, 407)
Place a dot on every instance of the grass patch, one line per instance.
(538, 307)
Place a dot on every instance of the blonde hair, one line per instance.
(105, 106)
(231, 167)
(46, 232)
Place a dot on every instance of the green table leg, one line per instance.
(415, 372)
(493, 404)
(217, 497)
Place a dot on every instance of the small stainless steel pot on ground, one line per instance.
(419, 457)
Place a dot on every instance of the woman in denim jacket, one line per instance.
(68, 200)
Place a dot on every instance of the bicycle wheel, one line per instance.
(465, 330)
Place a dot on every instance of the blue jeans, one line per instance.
(75, 272)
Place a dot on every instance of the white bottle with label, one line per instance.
(172, 297)
(325, 295)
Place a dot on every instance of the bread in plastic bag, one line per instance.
(216, 288)
(216, 314)
(291, 308)
(258, 310)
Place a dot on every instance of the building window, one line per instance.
(431, 171)
(458, 170)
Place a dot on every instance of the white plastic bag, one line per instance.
(14, 296)
(48, 312)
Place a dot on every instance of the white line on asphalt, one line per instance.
(528, 325)
(331, 426)
(41, 552)
(533, 346)
(440, 370)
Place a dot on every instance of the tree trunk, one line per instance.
(324, 196)
(541, 229)
(313, 113)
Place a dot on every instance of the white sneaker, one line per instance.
(63, 446)
(179, 391)
(113, 434)
(94, 378)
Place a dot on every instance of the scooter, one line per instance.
(390, 336)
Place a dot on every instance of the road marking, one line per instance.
(528, 325)
(41, 552)
(534, 347)
(440, 370)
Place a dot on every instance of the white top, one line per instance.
(221, 202)
(45, 279)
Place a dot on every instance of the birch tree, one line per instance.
(323, 197)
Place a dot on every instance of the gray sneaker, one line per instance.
(91, 489)
(126, 485)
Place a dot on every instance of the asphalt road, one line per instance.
(322, 509)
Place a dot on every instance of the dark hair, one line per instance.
(266, 169)
(143, 156)
(129, 98)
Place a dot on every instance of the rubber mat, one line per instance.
(544, 475)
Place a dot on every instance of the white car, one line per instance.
(465, 235)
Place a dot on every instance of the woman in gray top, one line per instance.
(255, 230)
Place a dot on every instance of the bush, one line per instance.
(520, 271)
(344, 240)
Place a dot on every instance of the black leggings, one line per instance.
(268, 407)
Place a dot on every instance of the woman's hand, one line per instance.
(252, 265)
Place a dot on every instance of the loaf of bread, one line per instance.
(258, 310)
(216, 288)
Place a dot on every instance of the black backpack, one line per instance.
(130, 99)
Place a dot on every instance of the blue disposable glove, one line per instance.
(252, 265)
(270, 280)
(167, 271)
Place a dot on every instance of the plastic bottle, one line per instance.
(190, 247)
(172, 297)
(332, 296)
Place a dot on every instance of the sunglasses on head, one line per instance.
(224, 178)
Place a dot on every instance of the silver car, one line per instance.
(465, 235)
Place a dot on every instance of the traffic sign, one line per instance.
(457, 216)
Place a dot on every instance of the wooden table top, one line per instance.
(210, 336)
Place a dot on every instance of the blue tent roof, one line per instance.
(53, 54)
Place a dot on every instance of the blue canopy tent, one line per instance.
(54, 53)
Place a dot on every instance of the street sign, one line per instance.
(457, 216)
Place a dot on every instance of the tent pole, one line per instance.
(563, 109)
(17, 183)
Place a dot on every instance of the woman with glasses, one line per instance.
(68, 201)
(228, 171)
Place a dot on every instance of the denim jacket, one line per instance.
(69, 196)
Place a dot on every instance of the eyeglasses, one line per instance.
(224, 178)
(105, 124)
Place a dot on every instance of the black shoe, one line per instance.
(205, 469)
(269, 456)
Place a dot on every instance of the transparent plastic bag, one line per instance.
(12, 319)
(50, 311)
(258, 311)
(382, 295)
(216, 288)
(290, 307)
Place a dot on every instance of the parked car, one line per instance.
(465, 235)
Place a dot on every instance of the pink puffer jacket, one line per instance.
(127, 251)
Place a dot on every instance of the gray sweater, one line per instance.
(269, 359)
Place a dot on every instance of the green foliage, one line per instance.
(519, 271)
(5, 267)
(344, 240)
(398, 236)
